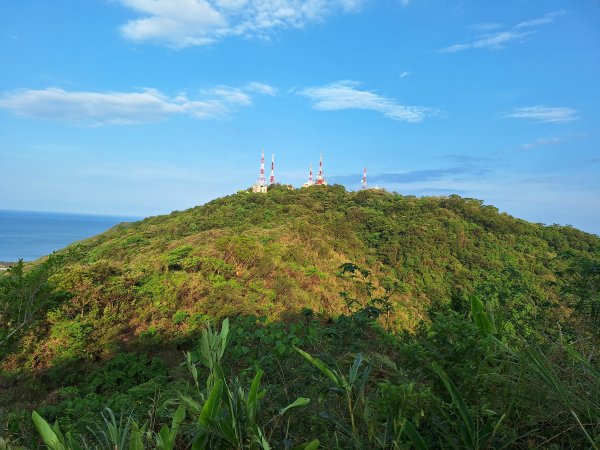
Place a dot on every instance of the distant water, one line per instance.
(30, 235)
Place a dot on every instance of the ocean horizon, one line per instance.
(29, 235)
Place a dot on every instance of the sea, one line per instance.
(30, 235)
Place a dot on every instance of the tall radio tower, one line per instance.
(272, 178)
(320, 180)
(261, 185)
(261, 179)
(363, 183)
(310, 181)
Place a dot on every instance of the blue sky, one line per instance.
(141, 107)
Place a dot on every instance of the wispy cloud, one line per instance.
(346, 95)
(404, 74)
(543, 114)
(544, 20)
(485, 26)
(417, 176)
(184, 23)
(491, 41)
(261, 88)
(499, 39)
(541, 142)
(87, 108)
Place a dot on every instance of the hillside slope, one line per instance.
(278, 254)
(364, 279)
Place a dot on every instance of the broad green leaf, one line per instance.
(323, 368)
(211, 406)
(178, 417)
(261, 440)
(135, 438)
(224, 336)
(358, 359)
(300, 401)
(481, 318)
(46, 432)
(191, 403)
(252, 395)
(414, 436)
(163, 441)
(312, 445)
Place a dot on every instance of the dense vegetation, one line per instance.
(408, 323)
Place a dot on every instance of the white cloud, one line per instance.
(499, 39)
(404, 74)
(540, 143)
(543, 114)
(121, 108)
(544, 20)
(262, 88)
(184, 23)
(345, 95)
(491, 41)
(485, 26)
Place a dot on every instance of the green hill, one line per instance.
(390, 276)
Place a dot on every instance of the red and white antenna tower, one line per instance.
(272, 178)
(261, 180)
(320, 179)
(363, 184)
(310, 177)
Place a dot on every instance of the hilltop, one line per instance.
(291, 256)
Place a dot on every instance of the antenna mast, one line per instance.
(272, 178)
(320, 180)
(363, 184)
(261, 180)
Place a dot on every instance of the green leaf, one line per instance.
(253, 394)
(224, 336)
(300, 401)
(354, 368)
(135, 438)
(178, 417)
(323, 368)
(211, 406)
(414, 436)
(46, 432)
(481, 318)
(464, 413)
(312, 445)
(163, 441)
(191, 403)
